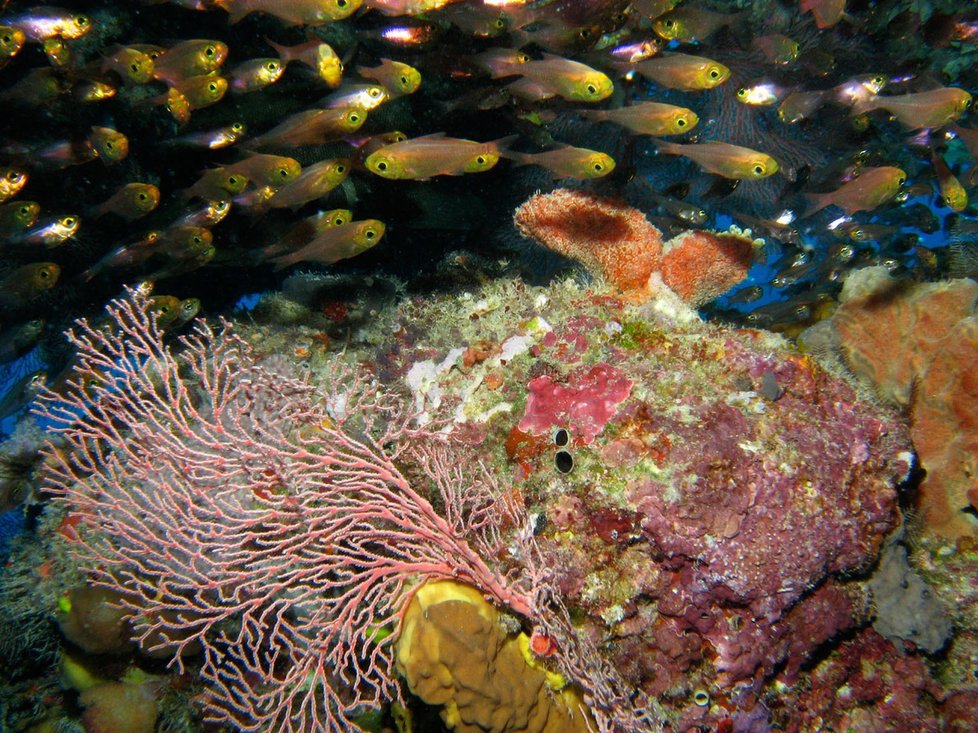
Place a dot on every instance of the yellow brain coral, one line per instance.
(455, 652)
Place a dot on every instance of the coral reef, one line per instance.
(917, 345)
(707, 527)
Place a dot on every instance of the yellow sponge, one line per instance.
(454, 651)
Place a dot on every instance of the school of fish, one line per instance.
(204, 145)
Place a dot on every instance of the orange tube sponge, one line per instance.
(616, 241)
(700, 266)
(605, 235)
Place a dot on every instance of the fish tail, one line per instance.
(236, 9)
(517, 157)
(862, 106)
(663, 146)
(816, 202)
(502, 144)
(284, 53)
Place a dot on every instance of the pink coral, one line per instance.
(618, 242)
(245, 513)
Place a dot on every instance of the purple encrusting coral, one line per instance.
(724, 493)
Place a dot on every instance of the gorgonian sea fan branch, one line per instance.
(239, 510)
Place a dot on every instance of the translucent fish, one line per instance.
(567, 162)
(872, 188)
(555, 76)
(254, 75)
(318, 56)
(918, 110)
(312, 127)
(267, 170)
(18, 216)
(12, 180)
(336, 243)
(315, 181)
(724, 159)
(129, 64)
(28, 281)
(395, 76)
(648, 118)
(682, 71)
(132, 201)
(434, 155)
(42, 23)
(193, 57)
(295, 12)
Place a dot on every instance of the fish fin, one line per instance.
(501, 145)
(236, 9)
(283, 51)
(816, 202)
(666, 147)
(529, 90)
(517, 157)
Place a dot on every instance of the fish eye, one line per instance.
(354, 118)
(134, 67)
(714, 73)
(404, 80)
(591, 89)
(68, 221)
(7, 38)
(212, 87)
(237, 127)
(498, 23)
(669, 23)
(272, 66)
(481, 159)
(680, 122)
(283, 173)
(759, 169)
(81, 21)
(374, 92)
(142, 196)
(369, 234)
(901, 180)
(382, 165)
(598, 167)
(25, 210)
(742, 92)
(341, 3)
(197, 239)
(210, 51)
(341, 168)
(44, 273)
